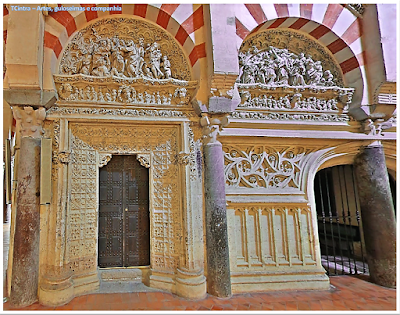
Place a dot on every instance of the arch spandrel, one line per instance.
(124, 60)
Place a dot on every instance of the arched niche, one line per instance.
(124, 60)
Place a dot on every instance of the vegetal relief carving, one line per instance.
(144, 160)
(128, 112)
(80, 90)
(263, 167)
(104, 158)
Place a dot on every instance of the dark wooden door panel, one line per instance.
(124, 225)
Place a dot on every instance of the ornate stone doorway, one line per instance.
(124, 225)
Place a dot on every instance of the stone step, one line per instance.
(123, 274)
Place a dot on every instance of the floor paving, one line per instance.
(347, 293)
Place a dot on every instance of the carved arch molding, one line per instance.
(124, 60)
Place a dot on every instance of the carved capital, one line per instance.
(375, 127)
(63, 157)
(183, 158)
(212, 126)
(30, 120)
(104, 158)
(144, 160)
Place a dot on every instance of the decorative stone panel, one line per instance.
(124, 61)
(268, 236)
(166, 223)
(285, 75)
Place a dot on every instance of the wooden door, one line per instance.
(124, 225)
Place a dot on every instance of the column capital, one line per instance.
(212, 126)
(30, 120)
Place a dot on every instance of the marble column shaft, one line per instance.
(377, 213)
(218, 269)
(25, 269)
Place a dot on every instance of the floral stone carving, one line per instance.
(124, 60)
(263, 167)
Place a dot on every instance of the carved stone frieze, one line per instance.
(104, 158)
(31, 120)
(322, 117)
(124, 60)
(82, 89)
(56, 110)
(144, 160)
(263, 167)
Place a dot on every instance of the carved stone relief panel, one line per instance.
(82, 215)
(161, 143)
(285, 75)
(272, 169)
(287, 58)
(268, 236)
(126, 61)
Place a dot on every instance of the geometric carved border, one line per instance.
(87, 141)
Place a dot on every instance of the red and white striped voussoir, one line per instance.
(5, 23)
(180, 20)
(331, 24)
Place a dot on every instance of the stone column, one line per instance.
(377, 213)
(25, 267)
(218, 269)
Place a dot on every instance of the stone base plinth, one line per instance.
(191, 285)
(256, 282)
(56, 291)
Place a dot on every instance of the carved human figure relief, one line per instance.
(124, 60)
(279, 67)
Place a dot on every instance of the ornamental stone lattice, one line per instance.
(124, 60)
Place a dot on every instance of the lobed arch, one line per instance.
(179, 20)
(331, 25)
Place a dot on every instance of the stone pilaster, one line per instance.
(190, 279)
(218, 269)
(25, 267)
(377, 214)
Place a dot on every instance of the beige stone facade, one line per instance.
(161, 82)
